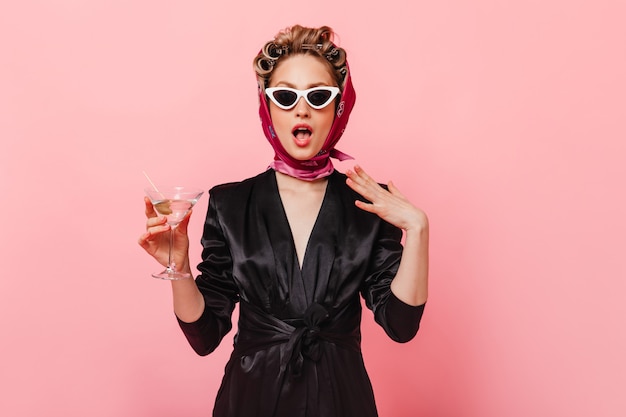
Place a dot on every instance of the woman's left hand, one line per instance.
(390, 205)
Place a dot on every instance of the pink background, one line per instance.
(505, 121)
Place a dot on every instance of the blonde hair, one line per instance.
(296, 40)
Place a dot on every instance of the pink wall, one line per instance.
(503, 120)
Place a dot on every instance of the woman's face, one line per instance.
(302, 130)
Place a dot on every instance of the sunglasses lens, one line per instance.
(319, 97)
(285, 97)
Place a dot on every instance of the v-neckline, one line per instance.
(301, 264)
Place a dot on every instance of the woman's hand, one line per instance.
(410, 284)
(156, 240)
(390, 205)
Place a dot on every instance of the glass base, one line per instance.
(172, 275)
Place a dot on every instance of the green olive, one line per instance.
(163, 207)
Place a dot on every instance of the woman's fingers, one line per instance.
(360, 177)
(365, 185)
(362, 183)
(154, 231)
(155, 226)
(155, 222)
(144, 240)
(150, 212)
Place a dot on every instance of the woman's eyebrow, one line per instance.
(315, 84)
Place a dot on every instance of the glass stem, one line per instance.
(171, 267)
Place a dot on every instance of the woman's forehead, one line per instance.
(301, 71)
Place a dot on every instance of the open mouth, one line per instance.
(302, 134)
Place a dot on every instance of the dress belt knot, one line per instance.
(304, 341)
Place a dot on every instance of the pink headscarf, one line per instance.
(320, 165)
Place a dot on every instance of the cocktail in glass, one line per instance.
(173, 203)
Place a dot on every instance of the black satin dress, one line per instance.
(297, 349)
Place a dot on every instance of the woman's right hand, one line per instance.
(156, 240)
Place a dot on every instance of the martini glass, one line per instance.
(173, 203)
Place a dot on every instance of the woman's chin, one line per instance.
(302, 153)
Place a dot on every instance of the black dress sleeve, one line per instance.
(399, 320)
(217, 286)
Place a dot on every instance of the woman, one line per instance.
(296, 246)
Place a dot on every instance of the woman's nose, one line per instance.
(302, 108)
